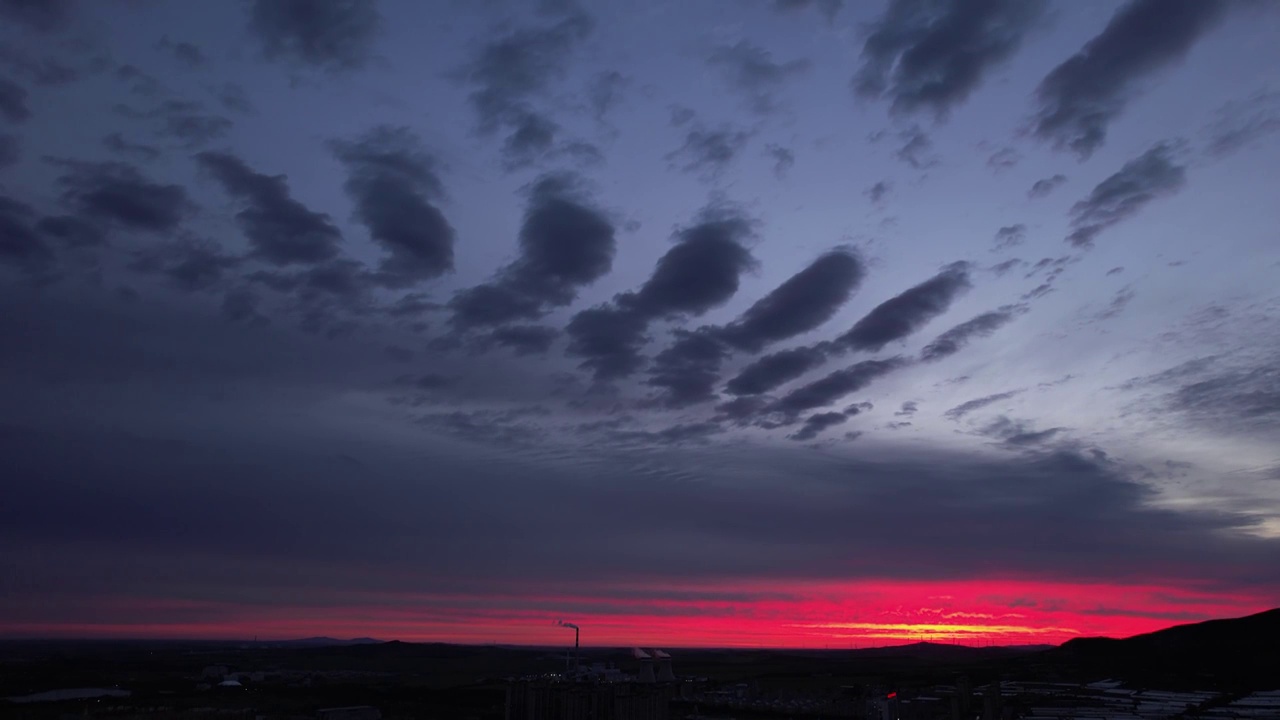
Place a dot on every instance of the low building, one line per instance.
(594, 701)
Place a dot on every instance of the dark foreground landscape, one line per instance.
(1218, 669)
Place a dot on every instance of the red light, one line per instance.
(893, 695)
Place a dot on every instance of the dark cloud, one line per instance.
(741, 410)
(509, 73)
(835, 386)
(1000, 269)
(1086, 506)
(410, 306)
(803, 302)
(43, 16)
(964, 408)
(904, 314)
(188, 264)
(783, 159)
(683, 433)
(196, 129)
(73, 231)
(609, 340)
(141, 83)
(1231, 395)
(909, 408)
(482, 427)
(1017, 433)
(700, 272)
(281, 230)
(1042, 188)
(1152, 175)
(1010, 236)
(182, 120)
(121, 194)
(525, 339)
(753, 73)
(1004, 159)
(917, 148)
(774, 370)
(1052, 267)
(431, 381)
(858, 408)
(398, 353)
(606, 91)
(932, 56)
(1115, 271)
(878, 192)
(116, 143)
(681, 116)
(345, 280)
(1243, 122)
(328, 34)
(43, 72)
(709, 152)
(10, 150)
(532, 136)
(234, 98)
(20, 244)
(1118, 303)
(1038, 291)
(687, 371)
(951, 341)
(565, 244)
(241, 305)
(520, 65)
(393, 182)
(828, 8)
(13, 101)
(816, 423)
(1082, 96)
(184, 52)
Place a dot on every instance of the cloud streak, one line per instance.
(1150, 176)
(1080, 98)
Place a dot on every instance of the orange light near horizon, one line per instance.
(935, 631)
(784, 615)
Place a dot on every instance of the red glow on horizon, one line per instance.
(793, 615)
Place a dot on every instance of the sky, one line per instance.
(796, 323)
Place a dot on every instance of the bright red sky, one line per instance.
(857, 614)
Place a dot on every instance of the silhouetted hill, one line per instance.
(1239, 651)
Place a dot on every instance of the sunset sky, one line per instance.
(755, 323)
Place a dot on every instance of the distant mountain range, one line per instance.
(326, 642)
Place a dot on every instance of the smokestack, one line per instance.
(646, 665)
(576, 631)
(665, 673)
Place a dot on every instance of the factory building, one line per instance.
(599, 692)
(588, 701)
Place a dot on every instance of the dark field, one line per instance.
(409, 680)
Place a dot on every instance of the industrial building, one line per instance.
(598, 692)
